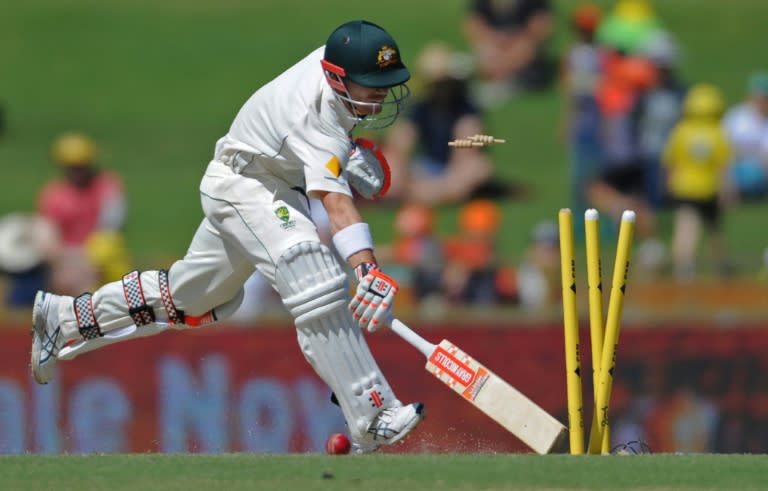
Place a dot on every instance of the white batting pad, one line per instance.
(116, 335)
(112, 314)
(314, 289)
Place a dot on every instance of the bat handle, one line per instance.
(412, 338)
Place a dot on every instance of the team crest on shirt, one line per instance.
(387, 56)
(285, 216)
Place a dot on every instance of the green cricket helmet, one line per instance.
(368, 55)
(364, 53)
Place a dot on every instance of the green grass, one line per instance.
(384, 472)
(156, 83)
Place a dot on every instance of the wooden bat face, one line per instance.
(496, 398)
(457, 370)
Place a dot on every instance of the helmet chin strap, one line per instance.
(352, 105)
(382, 114)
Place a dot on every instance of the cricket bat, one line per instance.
(489, 393)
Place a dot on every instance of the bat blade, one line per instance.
(497, 399)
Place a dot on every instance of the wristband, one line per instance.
(353, 238)
(362, 269)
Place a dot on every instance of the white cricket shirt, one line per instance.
(294, 129)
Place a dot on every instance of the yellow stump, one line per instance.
(571, 334)
(612, 326)
(596, 331)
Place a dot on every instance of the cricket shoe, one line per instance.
(47, 338)
(390, 426)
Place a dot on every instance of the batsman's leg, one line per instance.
(314, 289)
(204, 287)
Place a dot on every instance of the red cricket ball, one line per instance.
(338, 444)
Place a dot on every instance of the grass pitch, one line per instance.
(388, 472)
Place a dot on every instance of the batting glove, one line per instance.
(372, 304)
(367, 169)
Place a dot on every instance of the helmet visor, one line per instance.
(377, 115)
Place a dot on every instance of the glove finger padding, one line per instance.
(372, 304)
(368, 170)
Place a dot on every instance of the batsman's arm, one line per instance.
(356, 245)
(373, 300)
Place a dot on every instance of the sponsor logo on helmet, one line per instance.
(285, 216)
(387, 56)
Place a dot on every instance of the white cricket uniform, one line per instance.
(289, 139)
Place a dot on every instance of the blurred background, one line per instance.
(109, 112)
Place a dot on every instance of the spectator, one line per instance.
(538, 275)
(621, 183)
(628, 26)
(424, 168)
(87, 209)
(418, 248)
(696, 158)
(474, 273)
(26, 242)
(746, 125)
(580, 73)
(658, 110)
(763, 273)
(509, 42)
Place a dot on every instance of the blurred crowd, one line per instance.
(73, 240)
(638, 137)
(641, 137)
(692, 404)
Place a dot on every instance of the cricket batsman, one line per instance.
(290, 141)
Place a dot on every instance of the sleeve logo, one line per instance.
(334, 166)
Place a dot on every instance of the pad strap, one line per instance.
(86, 319)
(174, 316)
(141, 313)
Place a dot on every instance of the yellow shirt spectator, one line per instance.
(695, 155)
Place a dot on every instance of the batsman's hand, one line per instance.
(367, 169)
(372, 303)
